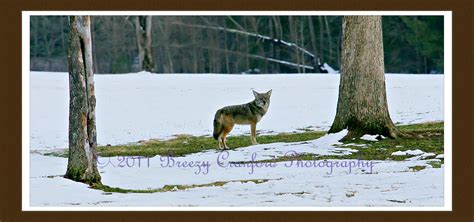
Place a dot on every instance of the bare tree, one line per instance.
(313, 40)
(328, 32)
(362, 103)
(142, 25)
(293, 27)
(82, 160)
(321, 39)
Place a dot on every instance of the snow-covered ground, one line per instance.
(141, 106)
(290, 184)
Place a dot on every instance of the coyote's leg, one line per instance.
(227, 124)
(225, 144)
(224, 140)
(253, 133)
(219, 140)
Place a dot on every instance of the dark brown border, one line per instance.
(10, 94)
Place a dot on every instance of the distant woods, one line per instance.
(234, 44)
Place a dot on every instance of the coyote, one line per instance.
(245, 114)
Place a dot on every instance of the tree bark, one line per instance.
(362, 104)
(142, 26)
(82, 160)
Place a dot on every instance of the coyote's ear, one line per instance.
(269, 93)
(255, 93)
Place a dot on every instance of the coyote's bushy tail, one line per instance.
(217, 125)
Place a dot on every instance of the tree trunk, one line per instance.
(227, 66)
(362, 104)
(142, 26)
(329, 59)
(293, 29)
(321, 39)
(195, 53)
(313, 40)
(82, 160)
(94, 57)
(302, 43)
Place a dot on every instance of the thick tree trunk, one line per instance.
(82, 160)
(142, 26)
(362, 104)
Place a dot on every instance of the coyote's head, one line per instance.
(262, 99)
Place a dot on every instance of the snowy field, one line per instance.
(142, 106)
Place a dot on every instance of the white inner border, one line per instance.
(447, 109)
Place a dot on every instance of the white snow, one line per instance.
(134, 107)
(329, 69)
(322, 146)
(440, 156)
(428, 155)
(369, 137)
(355, 144)
(378, 183)
(399, 153)
(414, 152)
(418, 154)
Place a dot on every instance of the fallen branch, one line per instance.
(241, 32)
(263, 57)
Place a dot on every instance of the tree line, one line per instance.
(233, 44)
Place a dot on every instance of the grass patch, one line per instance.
(186, 144)
(295, 193)
(435, 164)
(170, 188)
(423, 127)
(416, 168)
(63, 154)
(428, 137)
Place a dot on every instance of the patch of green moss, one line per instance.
(416, 168)
(169, 188)
(186, 144)
(62, 153)
(428, 137)
(435, 164)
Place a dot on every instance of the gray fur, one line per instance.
(245, 114)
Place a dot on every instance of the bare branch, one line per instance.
(241, 32)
